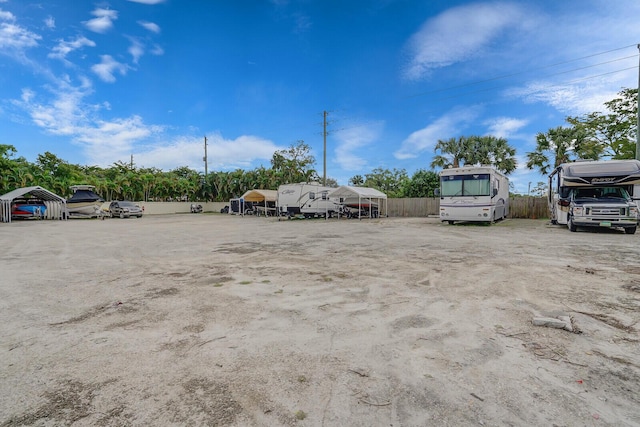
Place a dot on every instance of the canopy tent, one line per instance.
(360, 197)
(260, 196)
(263, 200)
(56, 206)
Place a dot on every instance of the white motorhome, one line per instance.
(473, 193)
(307, 198)
(595, 194)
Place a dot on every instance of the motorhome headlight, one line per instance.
(633, 211)
(577, 210)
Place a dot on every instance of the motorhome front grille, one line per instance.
(604, 211)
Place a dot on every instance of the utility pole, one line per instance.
(204, 186)
(324, 152)
(131, 165)
(638, 112)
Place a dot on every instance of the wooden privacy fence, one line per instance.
(519, 207)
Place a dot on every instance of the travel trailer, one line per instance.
(595, 194)
(306, 198)
(473, 193)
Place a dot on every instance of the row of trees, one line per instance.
(593, 136)
(126, 181)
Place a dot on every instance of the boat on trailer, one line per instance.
(84, 203)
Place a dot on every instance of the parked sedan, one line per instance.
(124, 209)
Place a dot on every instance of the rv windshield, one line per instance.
(600, 192)
(466, 185)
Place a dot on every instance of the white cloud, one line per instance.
(444, 127)
(67, 114)
(65, 47)
(569, 99)
(14, 38)
(223, 154)
(50, 22)
(504, 127)
(103, 20)
(157, 50)
(7, 16)
(353, 139)
(106, 69)
(458, 34)
(136, 49)
(153, 27)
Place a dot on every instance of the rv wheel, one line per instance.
(630, 230)
(571, 225)
(451, 222)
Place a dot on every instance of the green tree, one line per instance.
(389, 182)
(422, 184)
(490, 150)
(295, 164)
(452, 152)
(356, 180)
(471, 150)
(560, 145)
(540, 189)
(613, 132)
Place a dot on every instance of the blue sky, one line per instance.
(97, 82)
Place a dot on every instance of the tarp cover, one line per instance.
(361, 192)
(260, 196)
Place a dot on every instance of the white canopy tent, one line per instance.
(360, 197)
(56, 205)
(263, 200)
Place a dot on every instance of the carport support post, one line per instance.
(638, 112)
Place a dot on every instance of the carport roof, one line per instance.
(362, 192)
(260, 196)
(37, 191)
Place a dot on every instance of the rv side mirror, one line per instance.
(564, 202)
(494, 192)
(436, 192)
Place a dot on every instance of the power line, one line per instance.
(504, 76)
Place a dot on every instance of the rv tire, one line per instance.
(630, 230)
(451, 222)
(572, 227)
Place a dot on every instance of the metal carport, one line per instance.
(56, 205)
(360, 193)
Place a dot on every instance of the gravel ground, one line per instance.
(220, 320)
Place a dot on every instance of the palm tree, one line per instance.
(560, 145)
(490, 150)
(452, 152)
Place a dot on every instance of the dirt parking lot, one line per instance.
(218, 320)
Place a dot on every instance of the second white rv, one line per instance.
(473, 193)
(306, 198)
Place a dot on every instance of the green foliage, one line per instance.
(472, 150)
(294, 164)
(389, 182)
(539, 190)
(560, 145)
(356, 181)
(422, 184)
(613, 133)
